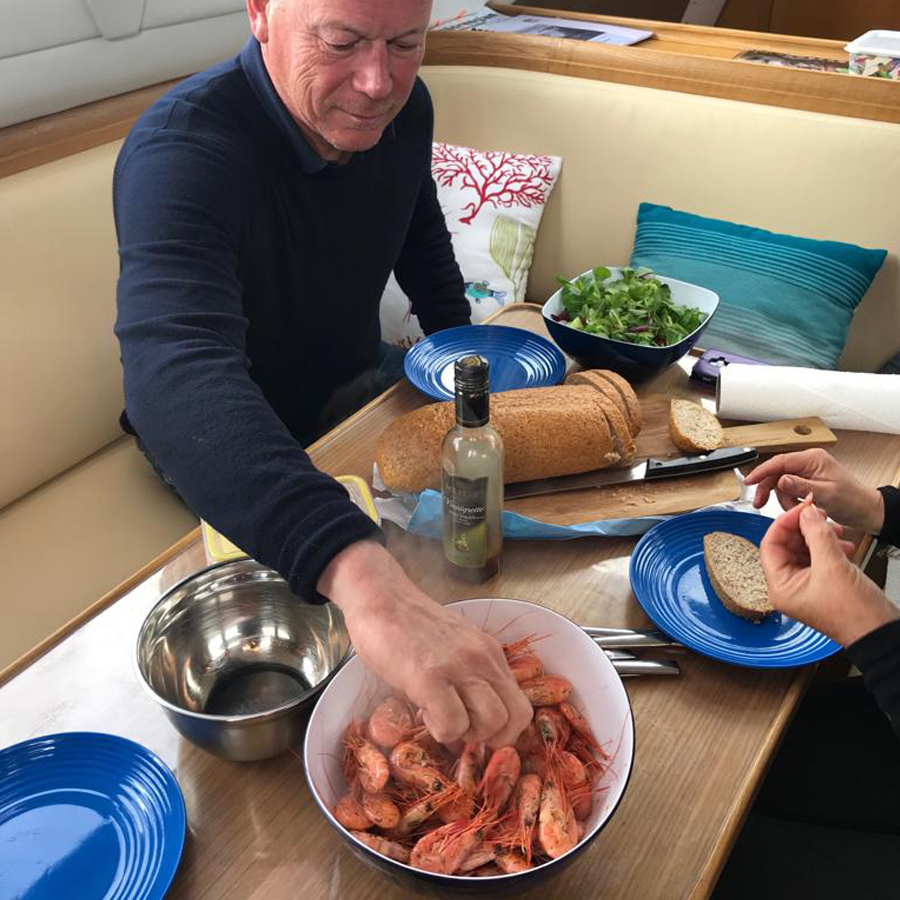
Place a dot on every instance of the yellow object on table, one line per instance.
(220, 549)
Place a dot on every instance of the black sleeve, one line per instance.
(427, 269)
(180, 206)
(877, 656)
(890, 533)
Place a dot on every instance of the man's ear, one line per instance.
(258, 11)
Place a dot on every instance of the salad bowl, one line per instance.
(633, 361)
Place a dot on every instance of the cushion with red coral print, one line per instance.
(493, 201)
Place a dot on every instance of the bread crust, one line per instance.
(722, 553)
(546, 432)
(625, 390)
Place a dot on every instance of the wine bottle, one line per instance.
(472, 479)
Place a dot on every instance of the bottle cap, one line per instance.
(472, 373)
(472, 376)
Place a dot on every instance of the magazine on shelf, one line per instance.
(812, 63)
(486, 19)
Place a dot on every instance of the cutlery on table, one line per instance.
(612, 640)
(627, 665)
(630, 637)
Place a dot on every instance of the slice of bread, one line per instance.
(616, 389)
(626, 392)
(618, 427)
(736, 574)
(694, 428)
(605, 387)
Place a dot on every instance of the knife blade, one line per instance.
(649, 470)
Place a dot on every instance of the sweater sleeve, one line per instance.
(877, 656)
(180, 212)
(427, 269)
(890, 533)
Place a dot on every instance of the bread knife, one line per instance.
(649, 470)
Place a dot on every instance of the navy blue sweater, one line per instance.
(251, 273)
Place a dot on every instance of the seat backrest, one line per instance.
(803, 173)
(59, 365)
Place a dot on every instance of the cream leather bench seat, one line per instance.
(80, 509)
(804, 173)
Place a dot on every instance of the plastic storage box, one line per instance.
(876, 53)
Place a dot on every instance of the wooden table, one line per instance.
(693, 59)
(702, 745)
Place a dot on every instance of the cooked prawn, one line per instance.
(526, 666)
(411, 764)
(580, 725)
(421, 810)
(381, 810)
(480, 856)
(553, 728)
(364, 761)
(509, 861)
(546, 690)
(500, 777)
(446, 848)
(525, 806)
(577, 784)
(469, 770)
(390, 849)
(391, 722)
(350, 813)
(557, 829)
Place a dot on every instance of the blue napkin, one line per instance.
(427, 520)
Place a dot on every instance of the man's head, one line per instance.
(343, 68)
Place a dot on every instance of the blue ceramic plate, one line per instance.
(670, 581)
(518, 359)
(87, 815)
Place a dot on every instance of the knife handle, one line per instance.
(726, 458)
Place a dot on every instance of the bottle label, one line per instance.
(465, 527)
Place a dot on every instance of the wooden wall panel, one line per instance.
(752, 15)
(840, 20)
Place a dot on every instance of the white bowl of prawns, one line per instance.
(468, 818)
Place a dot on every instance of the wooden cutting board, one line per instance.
(628, 501)
(775, 437)
(672, 495)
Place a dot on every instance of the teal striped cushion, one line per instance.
(784, 299)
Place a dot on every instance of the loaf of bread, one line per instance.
(546, 432)
(736, 574)
(693, 428)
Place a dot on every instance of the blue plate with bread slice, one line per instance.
(670, 581)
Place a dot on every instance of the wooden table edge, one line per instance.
(98, 606)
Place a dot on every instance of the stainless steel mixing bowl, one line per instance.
(235, 659)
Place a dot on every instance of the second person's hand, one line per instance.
(811, 579)
(795, 475)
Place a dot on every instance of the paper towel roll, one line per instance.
(858, 401)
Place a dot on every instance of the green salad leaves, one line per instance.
(637, 308)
